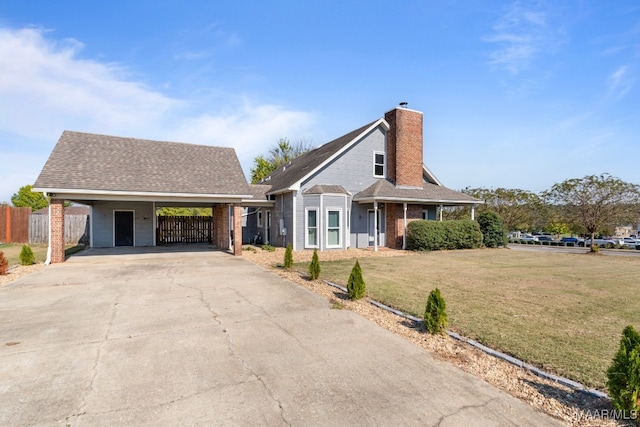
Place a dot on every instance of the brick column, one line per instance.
(57, 230)
(237, 229)
(222, 224)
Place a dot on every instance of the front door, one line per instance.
(123, 228)
(267, 227)
(373, 230)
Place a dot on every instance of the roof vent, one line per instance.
(404, 104)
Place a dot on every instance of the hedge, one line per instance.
(425, 235)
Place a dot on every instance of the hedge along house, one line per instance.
(124, 181)
(359, 190)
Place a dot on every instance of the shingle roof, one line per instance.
(85, 161)
(326, 189)
(383, 190)
(287, 175)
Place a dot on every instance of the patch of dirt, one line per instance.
(18, 271)
(575, 408)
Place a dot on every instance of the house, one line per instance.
(359, 190)
(124, 181)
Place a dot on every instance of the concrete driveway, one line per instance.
(205, 338)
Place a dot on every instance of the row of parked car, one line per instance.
(632, 242)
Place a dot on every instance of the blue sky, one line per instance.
(515, 94)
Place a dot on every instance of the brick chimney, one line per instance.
(404, 146)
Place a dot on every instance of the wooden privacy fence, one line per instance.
(14, 224)
(183, 229)
(76, 229)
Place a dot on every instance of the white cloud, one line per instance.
(619, 83)
(522, 34)
(47, 87)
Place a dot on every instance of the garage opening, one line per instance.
(183, 229)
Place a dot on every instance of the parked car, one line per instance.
(528, 238)
(629, 242)
(574, 240)
(544, 239)
(604, 242)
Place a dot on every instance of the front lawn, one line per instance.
(12, 252)
(562, 312)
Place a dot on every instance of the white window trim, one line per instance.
(306, 228)
(340, 227)
(384, 164)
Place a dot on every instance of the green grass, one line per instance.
(12, 252)
(561, 312)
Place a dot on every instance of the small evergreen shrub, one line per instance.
(4, 264)
(425, 235)
(623, 376)
(314, 267)
(288, 257)
(268, 248)
(355, 285)
(435, 314)
(494, 232)
(26, 255)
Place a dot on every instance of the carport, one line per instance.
(125, 180)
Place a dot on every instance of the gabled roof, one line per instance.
(384, 191)
(89, 163)
(326, 189)
(258, 196)
(295, 171)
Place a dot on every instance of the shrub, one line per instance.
(494, 232)
(26, 255)
(314, 267)
(288, 257)
(268, 248)
(425, 235)
(4, 264)
(435, 314)
(356, 286)
(623, 376)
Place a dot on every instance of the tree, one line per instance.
(314, 266)
(435, 313)
(25, 198)
(356, 286)
(595, 202)
(165, 211)
(288, 257)
(494, 233)
(519, 209)
(279, 155)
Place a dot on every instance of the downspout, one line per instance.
(441, 207)
(473, 212)
(48, 260)
(404, 233)
(375, 226)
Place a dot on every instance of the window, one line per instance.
(312, 228)
(378, 164)
(333, 228)
(259, 216)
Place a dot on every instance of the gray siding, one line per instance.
(354, 168)
(282, 215)
(323, 203)
(103, 222)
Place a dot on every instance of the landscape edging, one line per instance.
(510, 359)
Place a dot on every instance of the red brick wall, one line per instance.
(395, 222)
(237, 230)
(404, 147)
(57, 230)
(221, 226)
